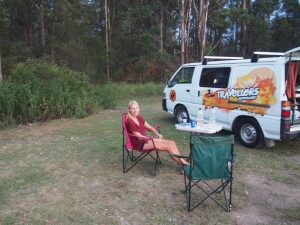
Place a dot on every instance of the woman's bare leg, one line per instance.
(168, 146)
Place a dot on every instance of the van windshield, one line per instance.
(184, 75)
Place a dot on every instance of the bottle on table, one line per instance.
(212, 119)
(184, 121)
(199, 118)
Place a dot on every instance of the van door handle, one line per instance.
(187, 90)
(199, 93)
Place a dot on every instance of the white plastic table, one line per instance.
(204, 129)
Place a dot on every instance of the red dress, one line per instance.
(133, 127)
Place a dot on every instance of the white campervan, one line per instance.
(257, 98)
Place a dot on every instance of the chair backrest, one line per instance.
(126, 139)
(211, 156)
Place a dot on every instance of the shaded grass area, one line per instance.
(69, 171)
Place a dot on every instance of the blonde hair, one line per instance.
(130, 104)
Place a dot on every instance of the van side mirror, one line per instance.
(171, 83)
(168, 83)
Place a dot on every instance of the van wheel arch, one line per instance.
(248, 131)
(179, 112)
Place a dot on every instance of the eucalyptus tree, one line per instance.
(286, 26)
(1, 76)
(243, 37)
(193, 12)
(202, 25)
(218, 26)
(3, 33)
(260, 16)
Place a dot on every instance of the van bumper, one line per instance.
(291, 135)
(164, 104)
(289, 131)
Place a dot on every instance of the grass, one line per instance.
(69, 171)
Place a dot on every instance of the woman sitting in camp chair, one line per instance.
(137, 126)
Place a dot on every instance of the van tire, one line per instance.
(181, 112)
(249, 133)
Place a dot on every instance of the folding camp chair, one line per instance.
(132, 156)
(210, 171)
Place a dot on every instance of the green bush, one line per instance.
(119, 90)
(106, 96)
(39, 91)
(7, 103)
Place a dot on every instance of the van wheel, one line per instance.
(180, 113)
(249, 133)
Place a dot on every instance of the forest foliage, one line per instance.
(37, 91)
(140, 39)
(61, 58)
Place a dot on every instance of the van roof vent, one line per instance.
(256, 55)
(219, 58)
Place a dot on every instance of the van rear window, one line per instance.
(215, 77)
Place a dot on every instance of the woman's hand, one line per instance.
(160, 136)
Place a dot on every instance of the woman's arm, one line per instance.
(153, 130)
(139, 135)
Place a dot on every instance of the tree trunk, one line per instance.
(1, 76)
(243, 30)
(107, 39)
(41, 10)
(161, 48)
(199, 14)
(188, 27)
(42, 21)
(182, 34)
(202, 23)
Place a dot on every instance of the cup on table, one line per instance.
(184, 121)
(193, 123)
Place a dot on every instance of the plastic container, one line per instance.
(193, 123)
(212, 118)
(184, 121)
(199, 118)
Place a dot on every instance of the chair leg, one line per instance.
(138, 160)
(221, 188)
(127, 155)
(227, 204)
(158, 158)
(125, 160)
(155, 163)
(189, 190)
(124, 163)
(230, 192)
(226, 207)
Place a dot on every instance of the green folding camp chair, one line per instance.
(210, 171)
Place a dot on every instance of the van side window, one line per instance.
(184, 75)
(215, 77)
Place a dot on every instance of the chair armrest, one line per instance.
(157, 127)
(148, 138)
(180, 156)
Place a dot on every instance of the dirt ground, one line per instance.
(92, 190)
(267, 195)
